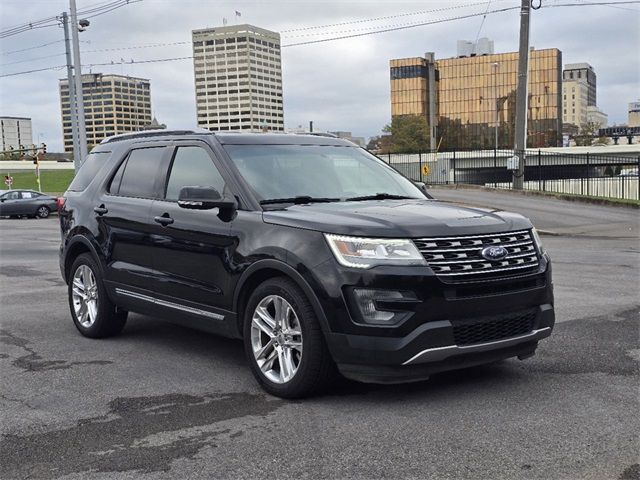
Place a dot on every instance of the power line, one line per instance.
(402, 27)
(55, 20)
(387, 17)
(32, 48)
(32, 71)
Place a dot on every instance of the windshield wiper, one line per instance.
(380, 196)
(300, 200)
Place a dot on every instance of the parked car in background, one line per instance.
(26, 203)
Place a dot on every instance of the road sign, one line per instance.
(8, 180)
(425, 170)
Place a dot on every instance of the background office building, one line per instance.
(113, 104)
(15, 131)
(238, 78)
(584, 73)
(466, 99)
(579, 97)
(634, 114)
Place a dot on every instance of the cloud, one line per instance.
(341, 85)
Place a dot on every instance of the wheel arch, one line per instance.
(78, 245)
(264, 270)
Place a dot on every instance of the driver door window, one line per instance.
(192, 167)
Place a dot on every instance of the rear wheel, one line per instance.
(43, 211)
(93, 313)
(283, 341)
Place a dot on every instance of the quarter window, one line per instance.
(192, 167)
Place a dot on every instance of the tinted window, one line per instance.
(89, 169)
(192, 166)
(12, 196)
(114, 186)
(138, 179)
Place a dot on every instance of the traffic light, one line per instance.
(44, 147)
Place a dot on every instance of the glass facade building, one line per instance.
(475, 98)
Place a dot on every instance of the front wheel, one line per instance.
(43, 211)
(93, 313)
(283, 341)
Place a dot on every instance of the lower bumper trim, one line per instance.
(441, 353)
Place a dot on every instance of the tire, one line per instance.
(307, 353)
(42, 211)
(99, 317)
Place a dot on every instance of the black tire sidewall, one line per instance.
(313, 343)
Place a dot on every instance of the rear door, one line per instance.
(192, 253)
(122, 211)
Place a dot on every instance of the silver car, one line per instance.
(26, 203)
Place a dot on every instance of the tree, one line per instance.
(587, 134)
(409, 134)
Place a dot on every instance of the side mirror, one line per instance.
(207, 198)
(423, 188)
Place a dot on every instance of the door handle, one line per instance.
(101, 210)
(164, 220)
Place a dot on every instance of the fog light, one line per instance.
(368, 302)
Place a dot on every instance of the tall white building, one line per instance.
(15, 131)
(597, 116)
(574, 102)
(238, 78)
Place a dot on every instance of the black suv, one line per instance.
(313, 251)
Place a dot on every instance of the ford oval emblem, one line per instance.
(494, 253)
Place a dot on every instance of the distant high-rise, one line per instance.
(113, 104)
(15, 131)
(483, 46)
(466, 100)
(579, 95)
(238, 78)
(634, 114)
(584, 73)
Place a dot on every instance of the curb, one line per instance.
(535, 193)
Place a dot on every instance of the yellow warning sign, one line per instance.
(425, 170)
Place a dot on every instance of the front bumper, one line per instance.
(429, 349)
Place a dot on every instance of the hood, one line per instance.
(396, 218)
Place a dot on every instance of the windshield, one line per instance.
(315, 171)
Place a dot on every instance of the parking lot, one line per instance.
(162, 401)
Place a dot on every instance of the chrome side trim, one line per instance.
(441, 353)
(164, 303)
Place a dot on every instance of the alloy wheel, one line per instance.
(43, 212)
(276, 339)
(85, 296)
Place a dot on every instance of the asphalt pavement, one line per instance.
(162, 401)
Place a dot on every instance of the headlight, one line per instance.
(361, 252)
(536, 240)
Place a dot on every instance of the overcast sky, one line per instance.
(340, 85)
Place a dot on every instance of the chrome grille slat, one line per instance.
(460, 256)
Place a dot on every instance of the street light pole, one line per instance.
(79, 93)
(74, 121)
(522, 95)
(495, 94)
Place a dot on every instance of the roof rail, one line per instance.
(154, 133)
(319, 134)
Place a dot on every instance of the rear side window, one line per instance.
(138, 173)
(89, 169)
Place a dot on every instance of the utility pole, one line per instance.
(522, 95)
(77, 70)
(495, 94)
(72, 95)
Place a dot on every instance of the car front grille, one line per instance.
(492, 328)
(459, 258)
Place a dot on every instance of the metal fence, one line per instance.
(588, 174)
